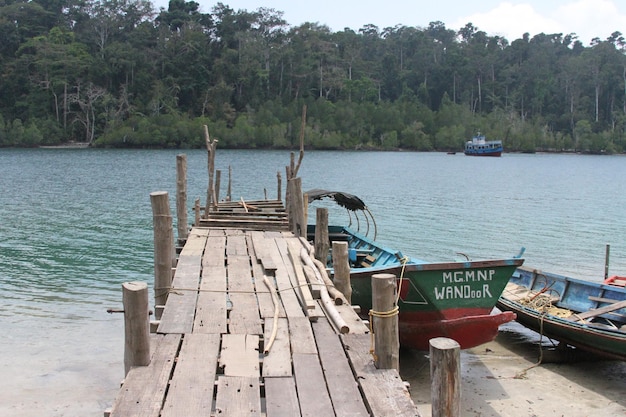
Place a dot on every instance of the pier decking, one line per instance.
(240, 285)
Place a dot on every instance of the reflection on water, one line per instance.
(76, 224)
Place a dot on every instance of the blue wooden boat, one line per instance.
(479, 146)
(452, 299)
(587, 315)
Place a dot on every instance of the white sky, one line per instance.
(511, 19)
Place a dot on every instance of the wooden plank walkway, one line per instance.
(209, 354)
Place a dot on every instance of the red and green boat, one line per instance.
(436, 299)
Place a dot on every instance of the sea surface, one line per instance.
(77, 223)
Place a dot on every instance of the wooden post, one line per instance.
(321, 235)
(279, 179)
(197, 212)
(341, 267)
(445, 377)
(230, 180)
(136, 325)
(218, 180)
(163, 247)
(606, 261)
(385, 322)
(211, 144)
(181, 196)
(296, 208)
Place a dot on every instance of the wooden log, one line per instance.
(341, 268)
(279, 180)
(181, 196)
(445, 376)
(163, 246)
(321, 235)
(218, 181)
(385, 322)
(136, 325)
(196, 209)
(296, 208)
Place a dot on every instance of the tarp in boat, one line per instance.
(348, 201)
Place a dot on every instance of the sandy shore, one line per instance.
(499, 379)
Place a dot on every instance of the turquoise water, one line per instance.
(76, 224)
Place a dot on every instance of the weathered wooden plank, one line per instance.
(211, 309)
(264, 297)
(191, 389)
(196, 241)
(277, 362)
(144, 388)
(299, 279)
(214, 250)
(180, 307)
(384, 392)
(301, 335)
(244, 314)
(313, 395)
(239, 355)
(281, 399)
(283, 283)
(238, 397)
(260, 244)
(236, 243)
(343, 389)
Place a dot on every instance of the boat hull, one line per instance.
(579, 296)
(454, 300)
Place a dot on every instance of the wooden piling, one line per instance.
(279, 181)
(296, 208)
(218, 181)
(163, 247)
(136, 325)
(384, 316)
(181, 196)
(341, 268)
(445, 377)
(321, 234)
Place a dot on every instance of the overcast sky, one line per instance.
(511, 19)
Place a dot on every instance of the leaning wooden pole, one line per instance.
(384, 316)
(163, 248)
(445, 377)
(136, 325)
(181, 197)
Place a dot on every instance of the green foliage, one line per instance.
(119, 74)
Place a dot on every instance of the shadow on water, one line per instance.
(493, 373)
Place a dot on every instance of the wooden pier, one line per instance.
(245, 331)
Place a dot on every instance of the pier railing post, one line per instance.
(136, 325)
(341, 268)
(321, 235)
(445, 377)
(181, 196)
(296, 207)
(384, 316)
(163, 248)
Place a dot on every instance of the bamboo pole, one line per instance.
(384, 316)
(321, 234)
(181, 197)
(341, 268)
(136, 325)
(445, 377)
(163, 248)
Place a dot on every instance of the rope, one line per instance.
(386, 314)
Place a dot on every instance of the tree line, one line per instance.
(118, 73)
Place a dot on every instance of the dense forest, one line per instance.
(118, 73)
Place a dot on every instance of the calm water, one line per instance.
(75, 224)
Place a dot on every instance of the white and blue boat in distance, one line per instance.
(479, 146)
